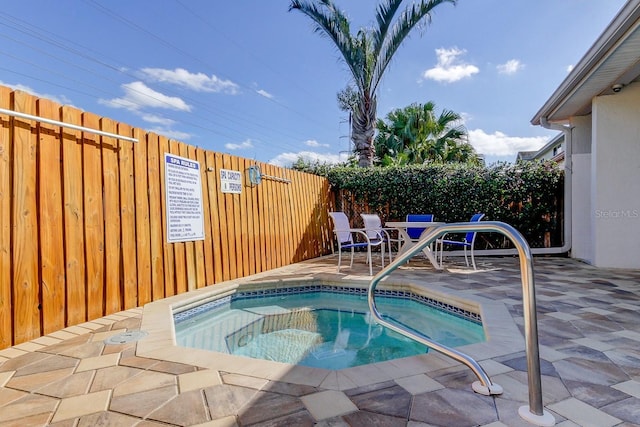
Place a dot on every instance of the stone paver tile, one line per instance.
(627, 410)
(495, 424)
(632, 335)
(288, 388)
(83, 351)
(5, 376)
(491, 367)
(107, 378)
(563, 316)
(595, 344)
(143, 403)
(77, 406)
(50, 363)
(632, 388)
(60, 335)
(12, 352)
(72, 385)
(172, 368)
(394, 401)
(245, 381)
(419, 384)
(48, 340)
(370, 419)
(328, 404)
(8, 395)
(443, 408)
(220, 422)
(265, 406)
(198, 380)
(29, 405)
(23, 361)
(32, 421)
(98, 362)
(93, 326)
(77, 330)
(583, 414)
(107, 418)
(38, 380)
(144, 381)
(101, 336)
(596, 310)
(185, 409)
(224, 400)
(29, 346)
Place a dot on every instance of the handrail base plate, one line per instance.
(544, 420)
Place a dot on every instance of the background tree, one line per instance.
(367, 54)
(416, 134)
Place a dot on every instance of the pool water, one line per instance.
(321, 329)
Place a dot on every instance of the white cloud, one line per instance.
(242, 145)
(172, 134)
(199, 82)
(287, 159)
(314, 143)
(512, 66)
(153, 118)
(450, 68)
(264, 93)
(138, 96)
(499, 144)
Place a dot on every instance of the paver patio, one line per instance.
(589, 333)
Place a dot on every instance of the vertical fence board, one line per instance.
(128, 250)
(169, 257)
(6, 317)
(196, 276)
(266, 222)
(50, 207)
(93, 225)
(73, 203)
(240, 212)
(249, 217)
(207, 244)
(24, 249)
(156, 216)
(142, 218)
(224, 226)
(112, 221)
(212, 189)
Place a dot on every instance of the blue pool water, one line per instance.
(320, 329)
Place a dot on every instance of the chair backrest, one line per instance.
(372, 225)
(341, 227)
(470, 237)
(415, 232)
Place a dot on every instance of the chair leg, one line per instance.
(466, 260)
(351, 265)
(370, 261)
(473, 260)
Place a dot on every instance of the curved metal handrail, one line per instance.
(536, 412)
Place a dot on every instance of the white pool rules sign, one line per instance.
(185, 218)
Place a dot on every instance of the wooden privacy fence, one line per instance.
(83, 220)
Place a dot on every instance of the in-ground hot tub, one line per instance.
(322, 325)
(501, 332)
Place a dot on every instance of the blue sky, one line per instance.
(249, 78)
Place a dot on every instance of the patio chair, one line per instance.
(346, 237)
(375, 231)
(467, 242)
(415, 232)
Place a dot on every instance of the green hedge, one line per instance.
(527, 195)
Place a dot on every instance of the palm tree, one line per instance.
(367, 54)
(416, 134)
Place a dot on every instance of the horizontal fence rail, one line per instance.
(83, 219)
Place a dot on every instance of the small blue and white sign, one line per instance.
(230, 181)
(185, 217)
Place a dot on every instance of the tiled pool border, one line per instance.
(296, 290)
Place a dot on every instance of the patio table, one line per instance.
(408, 242)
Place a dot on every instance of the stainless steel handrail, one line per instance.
(536, 412)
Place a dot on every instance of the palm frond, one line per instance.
(410, 17)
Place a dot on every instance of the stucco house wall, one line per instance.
(615, 178)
